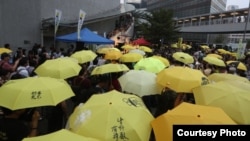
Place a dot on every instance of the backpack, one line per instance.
(17, 75)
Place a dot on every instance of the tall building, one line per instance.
(24, 23)
(187, 8)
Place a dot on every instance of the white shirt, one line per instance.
(23, 71)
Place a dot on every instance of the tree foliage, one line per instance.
(157, 25)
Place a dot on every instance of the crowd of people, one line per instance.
(20, 65)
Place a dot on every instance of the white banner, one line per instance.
(241, 50)
(82, 15)
(58, 15)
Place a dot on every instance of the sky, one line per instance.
(240, 3)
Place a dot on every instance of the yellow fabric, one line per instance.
(164, 60)
(108, 68)
(130, 57)
(232, 96)
(181, 79)
(84, 56)
(61, 68)
(150, 64)
(106, 49)
(112, 55)
(112, 116)
(216, 77)
(183, 57)
(34, 92)
(145, 49)
(215, 55)
(60, 135)
(240, 66)
(214, 61)
(186, 114)
(4, 50)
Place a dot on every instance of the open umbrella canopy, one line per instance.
(130, 57)
(150, 64)
(214, 61)
(232, 96)
(112, 55)
(128, 47)
(34, 92)
(181, 79)
(216, 77)
(84, 56)
(183, 57)
(106, 49)
(141, 52)
(222, 51)
(237, 64)
(140, 82)
(215, 55)
(187, 114)
(60, 68)
(174, 45)
(205, 47)
(145, 49)
(60, 135)
(112, 116)
(4, 50)
(164, 60)
(109, 68)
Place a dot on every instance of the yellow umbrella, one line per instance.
(84, 56)
(174, 45)
(232, 96)
(215, 55)
(140, 82)
(188, 114)
(109, 68)
(181, 79)
(145, 49)
(222, 51)
(137, 51)
(61, 68)
(216, 77)
(112, 55)
(106, 49)
(150, 64)
(183, 57)
(233, 54)
(4, 50)
(205, 47)
(34, 92)
(128, 47)
(185, 46)
(60, 135)
(214, 61)
(237, 64)
(131, 57)
(112, 116)
(164, 60)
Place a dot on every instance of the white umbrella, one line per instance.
(140, 82)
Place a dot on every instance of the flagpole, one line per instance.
(246, 23)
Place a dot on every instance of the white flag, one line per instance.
(58, 15)
(82, 15)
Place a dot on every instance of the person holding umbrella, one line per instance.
(14, 129)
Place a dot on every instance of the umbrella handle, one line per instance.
(179, 99)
